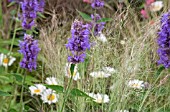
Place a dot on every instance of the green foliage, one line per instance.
(160, 69)
(4, 93)
(79, 93)
(133, 60)
(41, 15)
(72, 68)
(57, 88)
(85, 16)
(104, 20)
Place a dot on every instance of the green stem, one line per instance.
(66, 93)
(15, 30)
(22, 90)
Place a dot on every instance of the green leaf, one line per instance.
(18, 77)
(57, 88)
(12, 110)
(8, 42)
(77, 92)
(85, 16)
(11, 3)
(13, 12)
(104, 20)
(3, 50)
(72, 68)
(41, 15)
(158, 72)
(4, 93)
(31, 80)
(35, 31)
(17, 29)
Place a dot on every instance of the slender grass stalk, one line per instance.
(66, 93)
(15, 30)
(147, 93)
(22, 90)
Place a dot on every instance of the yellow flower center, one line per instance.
(5, 60)
(51, 97)
(135, 85)
(99, 100)
(37, 91)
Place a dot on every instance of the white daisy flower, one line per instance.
(101, 37)
(51, 81)
(37, 89)
(76, 74)
(100, 74)
(109, 70)
(156, 6)
(136, 84)
(6, 60)
(49, 96)
(100, 98)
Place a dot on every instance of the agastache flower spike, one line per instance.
(164, 41)
(29, 12)
(29, 49)
(97, 4)
(79, 42)
(96, 26)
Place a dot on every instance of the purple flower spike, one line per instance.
(98, 27)
(41, 4)
(164, 41)
(29, 12)
(79, 42)
(97, 4)
(29, 49)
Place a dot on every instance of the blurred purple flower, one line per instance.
(96, 26)
(164, 41)
(97, 4)
(41, 4)
(29, 12)
(29, 49)
(79, 42)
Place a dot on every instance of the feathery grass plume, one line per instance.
(164, 41)
(79, 42)
(98, 27)
(29, 49)
(97, 4)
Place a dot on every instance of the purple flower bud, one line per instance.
(96, 26)
(164, 41)
(97, 4)
(29, 49)
(79, 42)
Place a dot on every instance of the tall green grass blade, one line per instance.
(4, 93)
